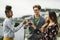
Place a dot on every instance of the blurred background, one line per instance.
(23, 9)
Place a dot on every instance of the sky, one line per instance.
(24, 7)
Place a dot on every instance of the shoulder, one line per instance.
(8, 20)
(5, 22)
(42, 18)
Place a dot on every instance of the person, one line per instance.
(8, 24)
(50, 28)
(35, 22)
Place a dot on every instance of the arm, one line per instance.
(33, 26)
(11, 26)
(45, 24)
(26, 22)
(42, 28)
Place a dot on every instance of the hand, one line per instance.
(42, 29)
(33, 25)
(26, 22)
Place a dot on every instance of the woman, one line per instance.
(50, 28)
(8, 25)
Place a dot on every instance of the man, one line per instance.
(8, 25)
(35, 22)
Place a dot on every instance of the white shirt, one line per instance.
(9, 29)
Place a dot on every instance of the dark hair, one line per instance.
(7, 9)
(37, 6)
(53, 16)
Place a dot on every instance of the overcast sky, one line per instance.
(24, 7)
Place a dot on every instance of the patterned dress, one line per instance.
(51, 32)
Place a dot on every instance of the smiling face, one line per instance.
(36, 11)
(9, 14)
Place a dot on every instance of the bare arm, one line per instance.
(42, 28)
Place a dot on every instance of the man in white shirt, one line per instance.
(8, 26)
